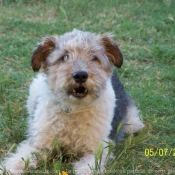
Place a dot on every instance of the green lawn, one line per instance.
(145, 32)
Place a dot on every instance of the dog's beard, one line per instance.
(76, 97)
(81, 94)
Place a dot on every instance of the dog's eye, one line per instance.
(95, 58)
(65, 57)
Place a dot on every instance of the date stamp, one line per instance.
(152, 152)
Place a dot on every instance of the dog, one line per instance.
(76, 98)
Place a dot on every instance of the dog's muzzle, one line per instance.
(80, 77)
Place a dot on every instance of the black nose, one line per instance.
(80, 76)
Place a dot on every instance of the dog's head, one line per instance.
(77, 64)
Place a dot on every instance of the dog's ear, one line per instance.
(42, 51)
(112, 51)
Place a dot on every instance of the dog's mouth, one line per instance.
(79, 92)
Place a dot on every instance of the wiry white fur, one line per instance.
(132, 121)
(14, 163)
(49, 122)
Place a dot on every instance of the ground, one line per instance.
(145, 32)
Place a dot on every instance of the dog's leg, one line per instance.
(86, 165)
(132, 122)
(15, 162)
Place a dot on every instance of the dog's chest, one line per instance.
(81, 131)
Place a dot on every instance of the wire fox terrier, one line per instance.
(77, 98)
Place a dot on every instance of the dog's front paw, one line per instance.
(83, 170)
(10, 171)
(12, 167)
(85, 166)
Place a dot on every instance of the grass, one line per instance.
(145, 32)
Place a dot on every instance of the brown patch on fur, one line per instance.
(112, 51)
(42, 51)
